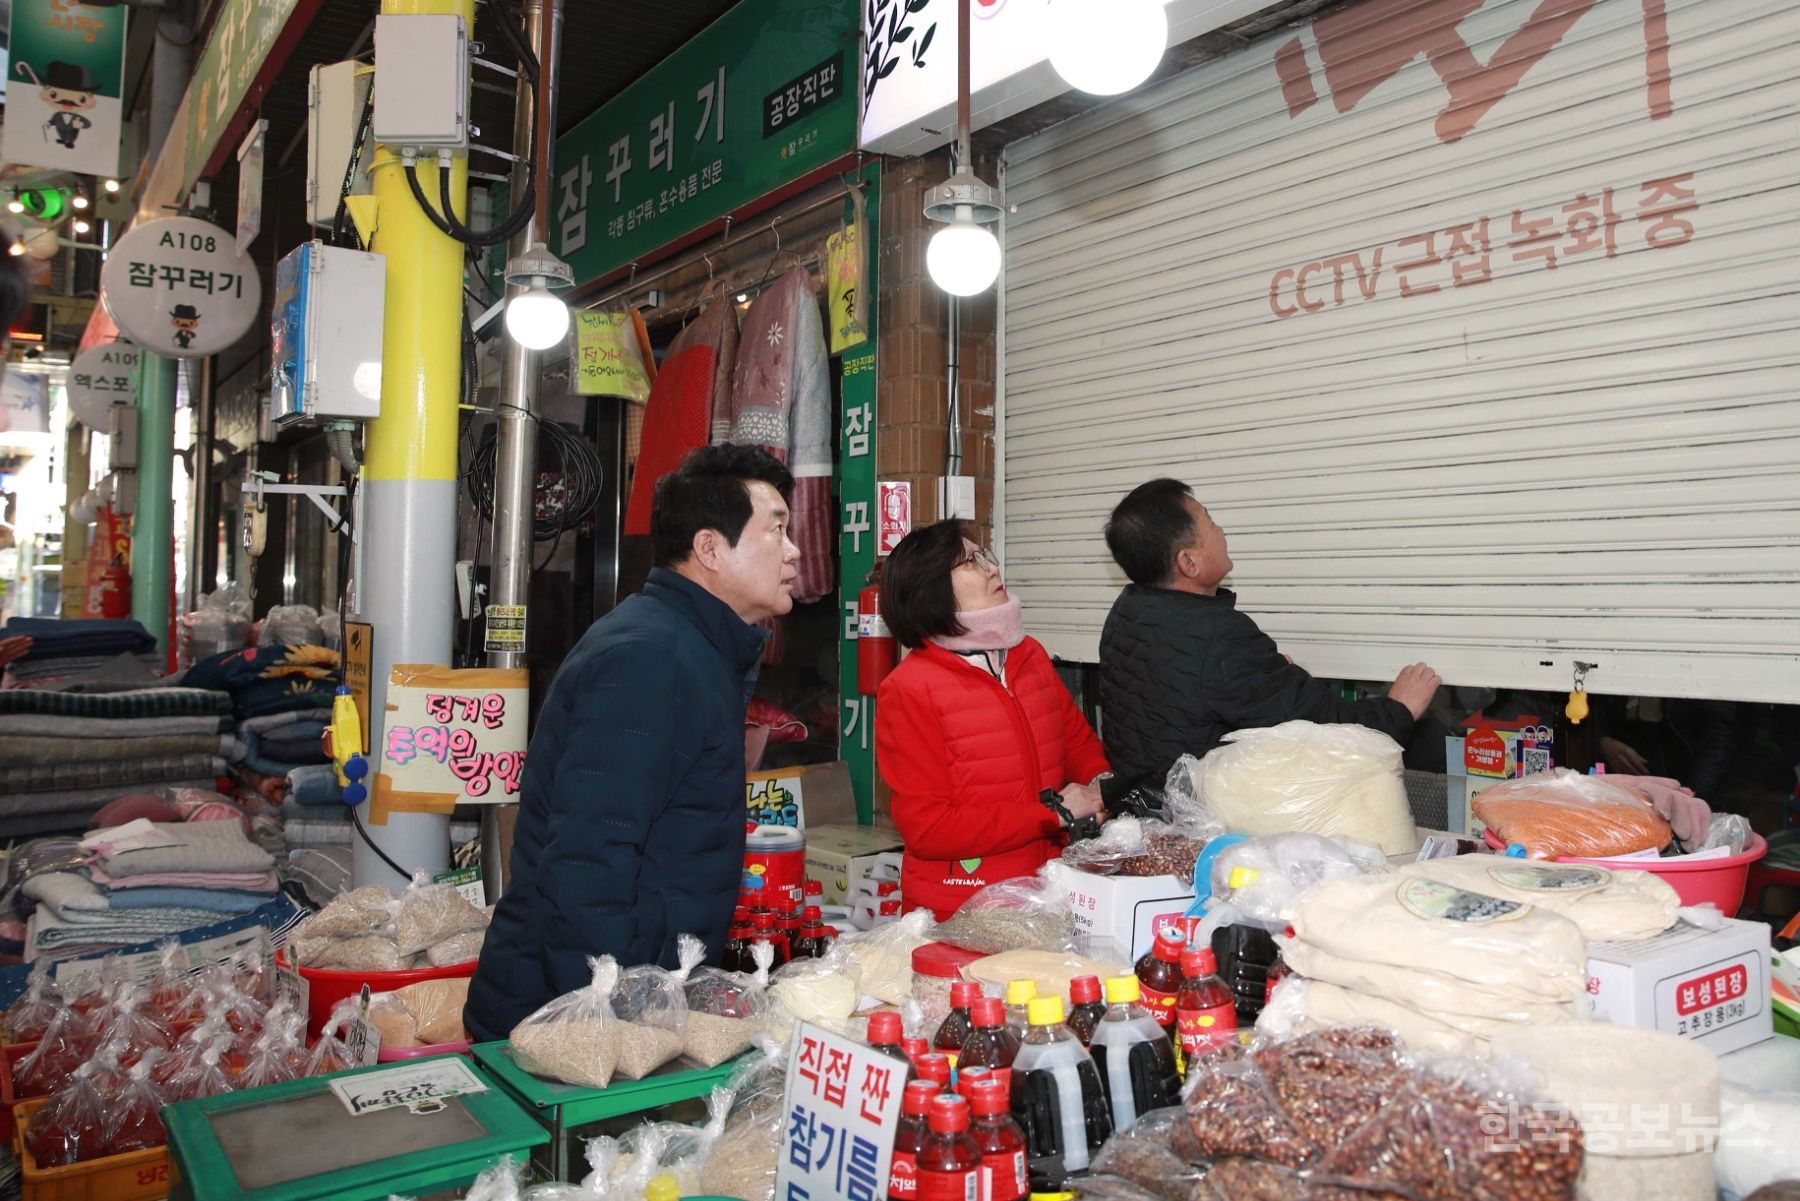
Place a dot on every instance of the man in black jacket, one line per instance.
(631, 815)
(1180, 667)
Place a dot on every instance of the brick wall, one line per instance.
(912, 414)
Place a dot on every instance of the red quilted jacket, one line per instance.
(966, 758)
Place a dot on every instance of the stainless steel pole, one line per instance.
(516, 422)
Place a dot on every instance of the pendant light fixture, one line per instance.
(537, 318)
(1106, 47)
(963, 258)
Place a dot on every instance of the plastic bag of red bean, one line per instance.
(1456, 1134)
(1143, 1155)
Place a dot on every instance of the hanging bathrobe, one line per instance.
(781, 401)
(693, 379)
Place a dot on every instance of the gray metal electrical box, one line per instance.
(335, 95)
(422, 82)
(122, 436)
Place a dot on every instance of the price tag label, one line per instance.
(421, 1087)
(361, 1036)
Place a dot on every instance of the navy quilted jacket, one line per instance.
(631, 814)
(1180, 671)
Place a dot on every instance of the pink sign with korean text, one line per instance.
(451, 737)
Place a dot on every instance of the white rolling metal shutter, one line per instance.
(1596, 461)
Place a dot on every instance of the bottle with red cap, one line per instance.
(991, 1044)
(813, 938)
(936, 1069)
(916, 1049)
(956, 1027)
(790, 921)
(949, 1161)
(765, 931)
(1002, 1142)
(1159, 975)
(909, 1136)
(885, 1033)
(1085, 1007)
(967, 1079)
(1205, 1008)
(736, 955)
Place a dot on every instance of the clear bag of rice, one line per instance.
(725, 1008)
(822, 991)
(366, 953)
(458, 948)
(571, 1038)
(651, 1006)
(742, 1162)
(368, 910)
(431, 913)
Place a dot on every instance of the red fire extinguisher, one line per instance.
(115, 591)
(875, 651)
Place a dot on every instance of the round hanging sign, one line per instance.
(100, 377)
(179, 287)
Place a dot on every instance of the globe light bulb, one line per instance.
(963, 258)
(536, 319)
(1105, 47)
(82, 227)
(112, 185)
(79, 200)
(15, 205)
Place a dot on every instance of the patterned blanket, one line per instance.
(41, 725)
(131, 774)
(147, 702)
(21, 750)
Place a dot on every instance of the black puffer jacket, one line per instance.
(1179, 671)
(631, 816)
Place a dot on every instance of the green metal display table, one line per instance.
(562, 1108)
(298, 1142)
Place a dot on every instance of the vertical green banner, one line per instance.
(856, 517)
(62, 96)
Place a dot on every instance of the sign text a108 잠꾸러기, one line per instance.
(178, 286)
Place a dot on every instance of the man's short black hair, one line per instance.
(709, 491)
(1149, 528)
(918, 600)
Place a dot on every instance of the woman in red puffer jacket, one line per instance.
(972, 726)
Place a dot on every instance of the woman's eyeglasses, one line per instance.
(980, 557)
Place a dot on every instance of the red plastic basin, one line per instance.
(326, 987)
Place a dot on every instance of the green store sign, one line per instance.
(763, 96)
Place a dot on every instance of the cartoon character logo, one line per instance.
(186, 321)
(68, 89)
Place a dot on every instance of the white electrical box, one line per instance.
(422, 82)
(326, 332)
(956, 497)
(124, 496)
(335, 96)
(122, 436)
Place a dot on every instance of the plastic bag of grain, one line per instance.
(742, 1163)
(1338, 781)
(571, 1038)
(650, 1004)
(724, 1008)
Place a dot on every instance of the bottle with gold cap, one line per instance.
(1133, 1056)
(1056, 1092)
(1019, 994)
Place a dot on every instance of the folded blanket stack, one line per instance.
(282, 698)
(64, 649)
(121, 895)
(66, 755)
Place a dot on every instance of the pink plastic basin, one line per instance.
(1719, 882)
(326, 987)
(395, 1054)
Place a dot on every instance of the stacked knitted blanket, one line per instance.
(64, 756)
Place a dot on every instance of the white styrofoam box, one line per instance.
(1708, 985)
(335, 95)
(327, 325)
(1117, 917)
(422, 82)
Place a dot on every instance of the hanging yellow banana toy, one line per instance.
(1577, 708)
(346, 747)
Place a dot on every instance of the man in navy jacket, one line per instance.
(631, 815)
